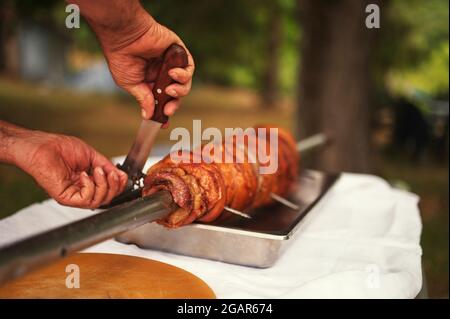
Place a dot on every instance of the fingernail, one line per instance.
(84, 174)
(172, 93)
(115, 176)
(100, 171)
(144, 114)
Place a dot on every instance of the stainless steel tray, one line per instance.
(256, 242)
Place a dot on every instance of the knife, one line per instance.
(174, 57)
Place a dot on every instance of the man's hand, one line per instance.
(133, 44)
(72, 172)
(69, 170)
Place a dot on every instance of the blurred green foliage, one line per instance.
(228, 39)
(429, 76)
(413, 51)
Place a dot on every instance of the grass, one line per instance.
(109, 124)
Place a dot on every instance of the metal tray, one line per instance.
(256, 242)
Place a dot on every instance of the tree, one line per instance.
(9, 63)
(12, 14)
(270, 81)
(334, 84)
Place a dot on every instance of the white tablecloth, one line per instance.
(361, 241)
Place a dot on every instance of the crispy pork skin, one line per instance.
(203, 189)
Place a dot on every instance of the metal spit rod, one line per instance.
(312, 142)
(29, 253)
(25, 255)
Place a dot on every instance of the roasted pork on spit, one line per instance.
(204, 188)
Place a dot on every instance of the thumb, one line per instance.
(143, 94)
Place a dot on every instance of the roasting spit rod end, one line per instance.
(237, 212)
(284, 201)
(24, 255)
(312, 142)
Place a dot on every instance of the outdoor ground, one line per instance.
(110, 122)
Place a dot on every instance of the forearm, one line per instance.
(18, 145)
(115, 21)
(10, 140)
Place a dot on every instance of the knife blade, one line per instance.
(174, 57)
(138, 154)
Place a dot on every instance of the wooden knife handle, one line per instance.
(174, 57)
